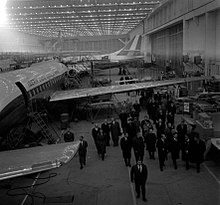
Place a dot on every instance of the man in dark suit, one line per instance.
(138, 147)
(187, 151)
(95, 132)
(101, 143)
(169, 136)
(137, 108)
(106, 130)
(160, 115)
(151, 143)
(123, 117)
(174, 149)
(131, 129)
(138, 176)
(126, 145)
(115, 131)
(197, 151)
(160, 128)
(182, 131)
(82, 151)
(162, 150)
(171, 110)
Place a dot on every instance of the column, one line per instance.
(147, 48)
(210, 41)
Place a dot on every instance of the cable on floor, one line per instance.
(22, 190)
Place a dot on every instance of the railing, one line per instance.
(152, 72)
(213, 69)
(193, 69)
(4, 70)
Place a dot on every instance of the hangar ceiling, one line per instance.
(74, 18)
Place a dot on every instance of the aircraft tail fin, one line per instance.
(133, 47)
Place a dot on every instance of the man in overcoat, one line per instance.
(106, 130)
(198, 150)
(151, 143)
(101, 143)
(162, 150)
(138, 147)
(182, 131)
(95, 132)
(126, 145)
(174, 149)
(115, 131)
(82, 151)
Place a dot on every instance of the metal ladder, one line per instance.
(78, 81)
(44, 128)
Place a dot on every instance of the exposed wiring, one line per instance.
(29, 190)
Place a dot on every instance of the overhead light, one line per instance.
(3, 16)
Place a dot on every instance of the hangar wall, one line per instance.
(104, 44)
(13, 41)
(167, 47)
(179, 31)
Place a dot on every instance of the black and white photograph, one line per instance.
(110, 102)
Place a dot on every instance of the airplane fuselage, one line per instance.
(130, 52)
(36, 80)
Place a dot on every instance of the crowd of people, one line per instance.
(156, 132)
(101, 136)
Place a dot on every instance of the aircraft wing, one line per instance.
(216, 142)
(25, 161)
(89, 92)
(79, 53)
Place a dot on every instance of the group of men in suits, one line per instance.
(190, 145)
(167, 139)
(104, 133)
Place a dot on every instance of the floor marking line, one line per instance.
(32, 185)
(132, 189)
(211, 173)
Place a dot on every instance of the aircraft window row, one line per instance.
(44, 86)
(5, 69)
(79, 67)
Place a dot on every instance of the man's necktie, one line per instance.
(140, 168)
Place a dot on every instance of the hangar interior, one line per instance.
(184, 34)
(91, 61)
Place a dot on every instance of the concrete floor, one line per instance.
(107, 182)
